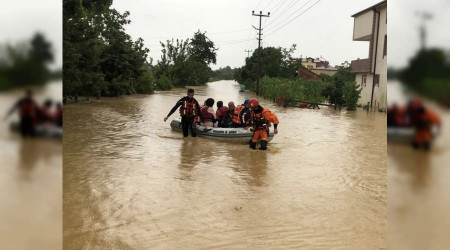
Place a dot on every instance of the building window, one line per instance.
(385, 46)
(377, 80)
(363, 81)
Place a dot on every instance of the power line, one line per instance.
(291, 14)
(294, 18)
(265, 8)
(218, 33)
(233, 42)
(281, 4)
(277, 7)
(292, 3)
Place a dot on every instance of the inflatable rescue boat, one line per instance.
(227, 134)
(40, 130)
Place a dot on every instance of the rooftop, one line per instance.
(373, 7)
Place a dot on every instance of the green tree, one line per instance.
(351, 94)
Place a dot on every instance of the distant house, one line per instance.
(371, 73)
(318, 66)
(308, 74)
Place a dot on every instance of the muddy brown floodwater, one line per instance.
(418, 197)
(30, 181)
(132, 183)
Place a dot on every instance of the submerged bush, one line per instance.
(351, 94)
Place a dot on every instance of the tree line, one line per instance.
(26, 63)
(101, 59)
(427, 73)
(280, 80)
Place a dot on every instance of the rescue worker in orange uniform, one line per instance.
(189, 109)
(423, 120)
(261, 120)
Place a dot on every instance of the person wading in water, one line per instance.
(28, 113)
(261, 119)
(189, 109)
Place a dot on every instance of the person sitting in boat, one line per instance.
(237, 119)
(58, 115)
(189, 108)
(227, 120)
(209, 116)
(245, 115)
(28, 113)
(261, 120)
(197, 118)
(44, 113)
(221, 113)
(395, 116)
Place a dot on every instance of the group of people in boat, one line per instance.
(31, 114)
(415, 115)
(249, 114)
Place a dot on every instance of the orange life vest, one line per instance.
(237, 114)
(189, 108)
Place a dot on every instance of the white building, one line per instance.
(371, 73)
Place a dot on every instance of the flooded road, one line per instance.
(418, 197)
(132, 183)
(30, 181)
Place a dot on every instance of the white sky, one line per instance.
(403, 28)
(324, 30)
(20, 19)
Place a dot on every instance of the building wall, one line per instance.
(363, 26)
(366, 91)
(380, 90)
(306, 64)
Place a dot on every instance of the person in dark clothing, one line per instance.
(27, 112)
(221, 113)
(189, 109)
(58, 115)
(245, 115)
(227, 120)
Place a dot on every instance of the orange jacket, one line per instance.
(268, 116)
(265, 117)
(432, 117)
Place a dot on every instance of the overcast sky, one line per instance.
(323, 30)
(20, 19)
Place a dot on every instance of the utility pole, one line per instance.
(423, 33)
(259, 46)
(248, 53)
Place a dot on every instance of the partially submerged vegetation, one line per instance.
(280, 81)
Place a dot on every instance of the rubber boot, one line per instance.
(252, 145)
(263, 145)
